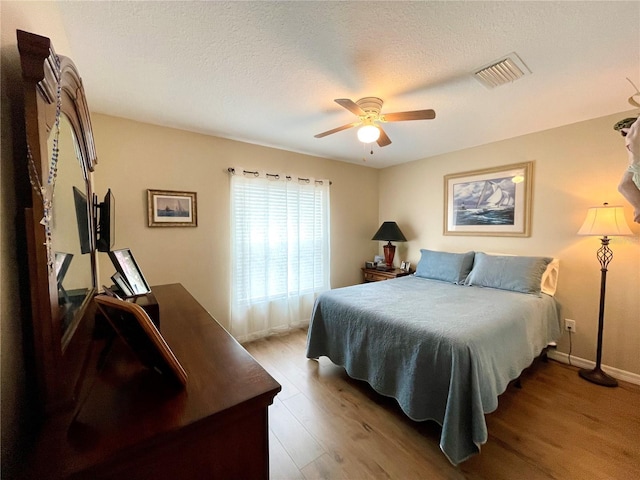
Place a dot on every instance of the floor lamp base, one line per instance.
(598, 376)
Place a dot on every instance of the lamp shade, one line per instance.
(389, 232)
(607, 220)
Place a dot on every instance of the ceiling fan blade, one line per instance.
(335, 130)
(383, 139)
(414, 115)
(350, 105)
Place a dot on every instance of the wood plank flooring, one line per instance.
(325, 425)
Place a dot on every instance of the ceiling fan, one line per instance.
(368, 111)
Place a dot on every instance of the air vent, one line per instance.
(502, 71)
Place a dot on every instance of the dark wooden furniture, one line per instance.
(373, 275)
(133, 424)
(61, 336)
(102, 414)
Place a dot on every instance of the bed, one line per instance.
(444, 342)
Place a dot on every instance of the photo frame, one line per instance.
(168, 208)
(136, 328)
(62, 262)
(122, 284)
(489, 202)
(128, 268)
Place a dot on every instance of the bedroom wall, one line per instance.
(576, 166)
(134, 157)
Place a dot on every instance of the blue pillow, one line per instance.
(445, 266)
(518, 274)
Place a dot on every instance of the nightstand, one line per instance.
(373, 275)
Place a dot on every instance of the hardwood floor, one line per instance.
(325, 425)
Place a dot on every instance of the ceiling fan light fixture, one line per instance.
(368, 133)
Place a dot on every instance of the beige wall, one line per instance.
(134, 157)
(576, 166)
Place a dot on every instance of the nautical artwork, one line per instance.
(493, 202)
(167, 208)
(172, 207)
(487, 202)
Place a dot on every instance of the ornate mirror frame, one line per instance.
(59, 356)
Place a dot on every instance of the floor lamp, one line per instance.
(603, 221)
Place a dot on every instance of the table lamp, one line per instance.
(389, 232)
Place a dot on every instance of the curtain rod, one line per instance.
(232, 171)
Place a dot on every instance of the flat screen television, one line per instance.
(106, 225)
(82, 217)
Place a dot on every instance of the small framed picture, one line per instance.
(407, 266)
(168, 208)
(403, 266)
(128, 268)
(122, 284)
(63, 260)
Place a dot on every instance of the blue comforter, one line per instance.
(444, 352)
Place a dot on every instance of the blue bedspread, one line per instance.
(444, 352)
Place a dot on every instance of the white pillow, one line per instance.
(549, 280)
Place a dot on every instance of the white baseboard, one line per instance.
(582, 363)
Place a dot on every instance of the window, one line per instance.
(280, 252)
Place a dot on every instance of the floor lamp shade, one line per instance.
(389, 232)
(603, 221)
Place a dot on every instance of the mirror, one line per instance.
(70, 227)
(60, 238)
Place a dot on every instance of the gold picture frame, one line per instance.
(170, 208)
(489, 202)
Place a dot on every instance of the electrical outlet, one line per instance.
(570, 325)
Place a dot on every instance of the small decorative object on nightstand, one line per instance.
(375, 275)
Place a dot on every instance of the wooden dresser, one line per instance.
(130, 423)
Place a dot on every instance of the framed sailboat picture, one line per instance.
(168, 208)
(491, 202)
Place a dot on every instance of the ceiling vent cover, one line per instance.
(502, 71)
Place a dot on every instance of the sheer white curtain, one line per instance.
(279, 251)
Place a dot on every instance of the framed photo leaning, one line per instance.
(136, 328)
(489, 202)
(129, 270)
(122, 284)
(168, 208)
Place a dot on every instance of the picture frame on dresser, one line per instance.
(128, 268)
(122, 284)
(136, 328)
(493, 201)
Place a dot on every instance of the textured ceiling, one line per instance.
(267, 72)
